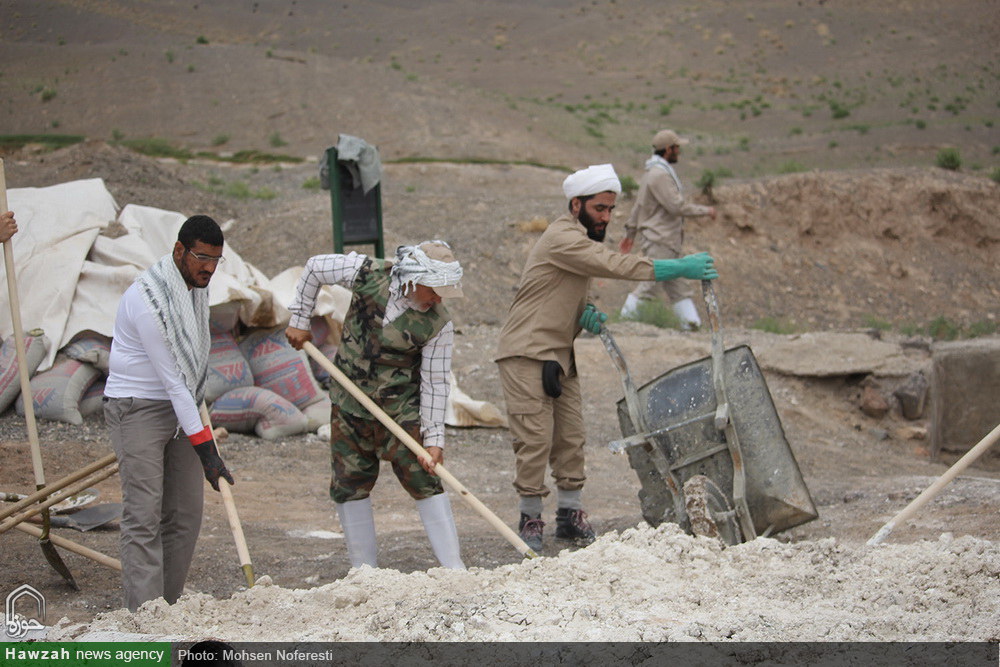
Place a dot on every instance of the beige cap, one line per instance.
(439, 251)
(666, 139)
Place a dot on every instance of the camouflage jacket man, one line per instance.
(396, 354)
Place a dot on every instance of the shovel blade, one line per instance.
(56, 561)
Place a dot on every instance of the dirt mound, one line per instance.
(882, 205)
(642, 585)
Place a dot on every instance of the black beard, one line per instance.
(587, 221)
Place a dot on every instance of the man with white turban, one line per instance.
(396, 346)
(537, 366)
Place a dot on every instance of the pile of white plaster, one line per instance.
(642, 585)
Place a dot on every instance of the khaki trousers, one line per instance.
(676, 290)
(162, 494)
(546, 431)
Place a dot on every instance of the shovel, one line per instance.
(88, 518)
(48, 549)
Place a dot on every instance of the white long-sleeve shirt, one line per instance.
(435, 364)
(142, 365)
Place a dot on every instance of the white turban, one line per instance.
(590, 181)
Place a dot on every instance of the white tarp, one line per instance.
(70, 278)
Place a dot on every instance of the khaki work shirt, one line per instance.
(659, 210)
(543, 320)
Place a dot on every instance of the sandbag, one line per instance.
(57, 392)
(90, 347)
(35, 347)
(258, 410)
(277, 366)
(318, 414)
(228, 369)
(92, 401)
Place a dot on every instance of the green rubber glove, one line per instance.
(592, 319)
(699, 266)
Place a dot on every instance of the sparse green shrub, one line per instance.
(838, 110)
(920, 124)
(276, 141)
(655, 312)
(157, 147)
(982, 328)
(311, 183)
(941, 328)
(872, 322)
(170, 56)
(117, 135)
(220, 139)
(48, 141)
(949, 158)
(995, 174)
(629, 185)
(775, 325)
(791, 167)
(47, 94)
(201, 40)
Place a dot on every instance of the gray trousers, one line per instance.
(162, 494)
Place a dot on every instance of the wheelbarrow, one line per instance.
(708, 445)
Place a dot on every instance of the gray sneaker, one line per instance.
(530, 530)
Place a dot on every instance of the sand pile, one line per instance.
(642, 585)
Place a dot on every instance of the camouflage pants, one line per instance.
(356, 446)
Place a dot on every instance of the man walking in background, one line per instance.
(156, 382)
(537, 365)
(658, 219)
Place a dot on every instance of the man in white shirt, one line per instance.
(396, 346)
(158, 365)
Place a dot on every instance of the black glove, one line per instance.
(550, 378)
(213, 464)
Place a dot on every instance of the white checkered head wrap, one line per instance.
(430, 263)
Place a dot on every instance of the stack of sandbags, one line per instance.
(262, 385)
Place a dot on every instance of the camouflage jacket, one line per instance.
(383, 361)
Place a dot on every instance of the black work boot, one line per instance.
(530, 530)
(573, 525)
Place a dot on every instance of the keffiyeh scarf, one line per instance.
(182, 318)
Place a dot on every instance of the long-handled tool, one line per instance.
(69, 545)
(234, 518)
(991, 438)
(57, 486)
(51, 555)
(417, 449)
(44, 506)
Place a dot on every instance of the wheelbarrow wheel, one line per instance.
(709, 511)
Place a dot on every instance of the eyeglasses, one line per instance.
(209, 259)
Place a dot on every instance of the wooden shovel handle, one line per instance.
(22, 359)
(231, 514)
